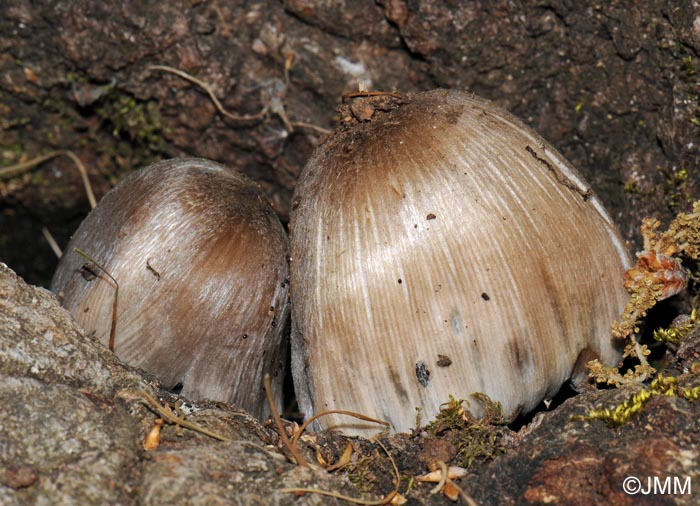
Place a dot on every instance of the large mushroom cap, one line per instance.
(200, 259)
(444, 248)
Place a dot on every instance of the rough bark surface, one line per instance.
(74, 419)
(614, 86)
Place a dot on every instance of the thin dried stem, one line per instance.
(359, 416)
(310, 126)
(467, 498)
(207, 88)
(225, 29)
(365, 93)
(329, 493)
(291, 446)
(639, 352)
(280, 427)
(52, 242)
(113, 328)
(379, 502)
(168, 416)
(443, 478)
(397, 475)
(20, 168)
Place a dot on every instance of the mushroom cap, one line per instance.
(200, 259)
(444, 248)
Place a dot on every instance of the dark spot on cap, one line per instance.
(245, 336)
(88, 272)
(521, 355)
(422, 373)
(398, 385)
(430, 216)
(400, 281)
(444, 361)
(485, 296)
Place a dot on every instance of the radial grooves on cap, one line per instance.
(501, 223)
(200, 258)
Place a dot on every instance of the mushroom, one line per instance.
(444, 248)
(200, 259)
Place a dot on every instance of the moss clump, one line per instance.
(476, 439)
(661, 385)
(140, 121)
(361, 475)
(658, 274)
(677, 332)
(678, 188)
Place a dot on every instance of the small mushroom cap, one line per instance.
(444, 248)
(200, 259)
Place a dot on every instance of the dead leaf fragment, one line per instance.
(398, 500)
(453, 473)
(450, 491)
(152, 440)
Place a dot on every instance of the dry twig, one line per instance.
(52, 242)
(20, 168)
(206, 87)
(388, 498)
(280, 428)
(167, 415)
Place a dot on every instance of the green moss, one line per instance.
(689, 70)
(361, 475)
(678, 188)
(675, 334)
(140, 121)
(689, 67)
(661, 385)
(632, 187)
(10, 153)
(475, 439)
